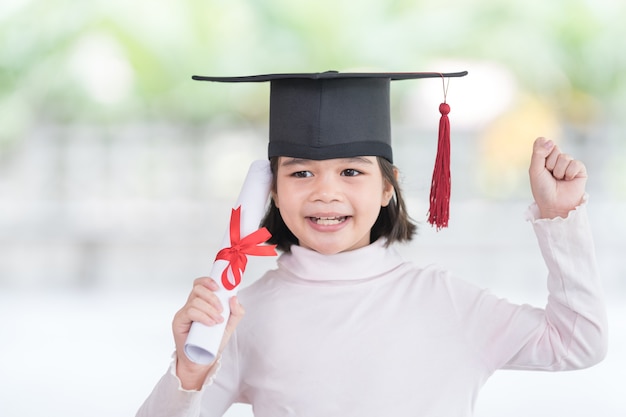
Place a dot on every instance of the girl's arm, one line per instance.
(179, 392)
(571, 331)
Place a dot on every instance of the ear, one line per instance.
(274, 197)
(389, 190)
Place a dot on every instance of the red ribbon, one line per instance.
(239, 248)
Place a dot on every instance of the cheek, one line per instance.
(280, 190)
(285, 196)
(281, 196)
(369, 207)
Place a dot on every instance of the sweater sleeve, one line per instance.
(572, 332)
(169, 398)
(219, 391)
(569, 333)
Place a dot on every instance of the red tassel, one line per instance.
(439, 211)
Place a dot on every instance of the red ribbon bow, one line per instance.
(236, 253)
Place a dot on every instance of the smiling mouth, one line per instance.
(328, 221)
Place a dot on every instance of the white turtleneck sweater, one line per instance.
(364, 333)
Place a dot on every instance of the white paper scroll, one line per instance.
(203, 342)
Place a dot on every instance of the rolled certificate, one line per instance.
(240, 239)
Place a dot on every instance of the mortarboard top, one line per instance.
(393, 76)
(332, 114)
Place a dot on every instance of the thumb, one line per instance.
(541, 149)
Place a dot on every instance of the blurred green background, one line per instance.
(103, 66)
(113, 62)
(117, 170)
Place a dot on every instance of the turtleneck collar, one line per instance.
(359, 264)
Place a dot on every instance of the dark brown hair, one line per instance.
(393, 222)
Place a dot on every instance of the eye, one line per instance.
(301, 174)
(350, 172)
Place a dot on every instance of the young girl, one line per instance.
(344, 326)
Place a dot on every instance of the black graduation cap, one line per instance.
(332, 114)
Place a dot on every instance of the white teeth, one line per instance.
(329, 221)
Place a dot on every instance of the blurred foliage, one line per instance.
(111, 61)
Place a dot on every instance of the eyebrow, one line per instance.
(304, 161)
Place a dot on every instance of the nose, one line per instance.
(326, 188)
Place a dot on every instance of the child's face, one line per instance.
(331, 205)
